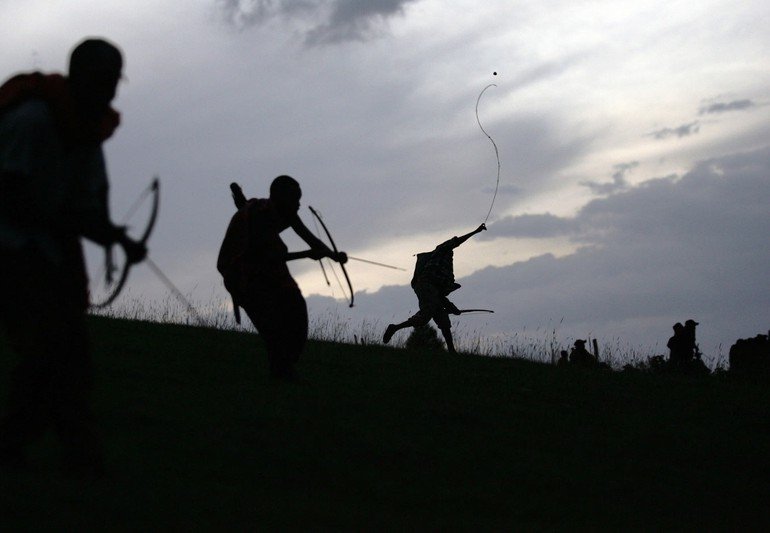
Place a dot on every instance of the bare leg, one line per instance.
(447, 333)
(282, 322)
(393, 328)
(443, 323)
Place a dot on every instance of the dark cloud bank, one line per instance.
(329, 22)
(723, 107)
(685, 130)
(618, 182)
(664, 251)
(692, 128)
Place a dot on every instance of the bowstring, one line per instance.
(339, 282)
(131, 210)
(107, 270)
(330, 262)
(494, 144)
(320, 261)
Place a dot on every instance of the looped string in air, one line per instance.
(497, 153)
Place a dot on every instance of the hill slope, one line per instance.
(197, 436)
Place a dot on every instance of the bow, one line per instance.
(334, 248)
(461, 311)
(155, 190)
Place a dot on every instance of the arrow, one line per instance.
(375, 263)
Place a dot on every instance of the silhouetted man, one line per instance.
(677, 345)
(259, 278)
(580, 356)
(692, 351)
(432, 281)
(54, 191)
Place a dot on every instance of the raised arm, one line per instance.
(454, 242)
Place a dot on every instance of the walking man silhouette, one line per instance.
(54, 191)
(253, 261)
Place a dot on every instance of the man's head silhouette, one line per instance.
(285, 192)
(94, 71)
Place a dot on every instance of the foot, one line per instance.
(389, 331)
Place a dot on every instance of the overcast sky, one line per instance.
(634, 142)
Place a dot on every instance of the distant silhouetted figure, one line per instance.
(54, 191)
(685, 355)
(580, 356)
(253, 260)
(432, 281)
(563, 359)
(691, 346)
(678, 347)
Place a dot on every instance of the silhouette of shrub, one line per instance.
(750, 357)
(424, 338)
(657, 363)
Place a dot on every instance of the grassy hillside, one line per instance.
(198, 437)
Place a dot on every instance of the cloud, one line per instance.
(542, 71)
(618, 182)
(512, 190)
(354, 20)
(342, 20)
(723, 107)
(681, 131)
(242, 13)
(680, 248)
(530, 226)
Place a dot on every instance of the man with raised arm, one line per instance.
(54, 191)
(433, 280)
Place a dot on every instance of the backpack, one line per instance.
(436, 267)
(231, 261)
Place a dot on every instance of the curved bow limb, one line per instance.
(155, 190)
(336, 251)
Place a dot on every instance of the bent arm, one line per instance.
(312, 254)
(318, 249)
(88, 213)
(306, 235)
